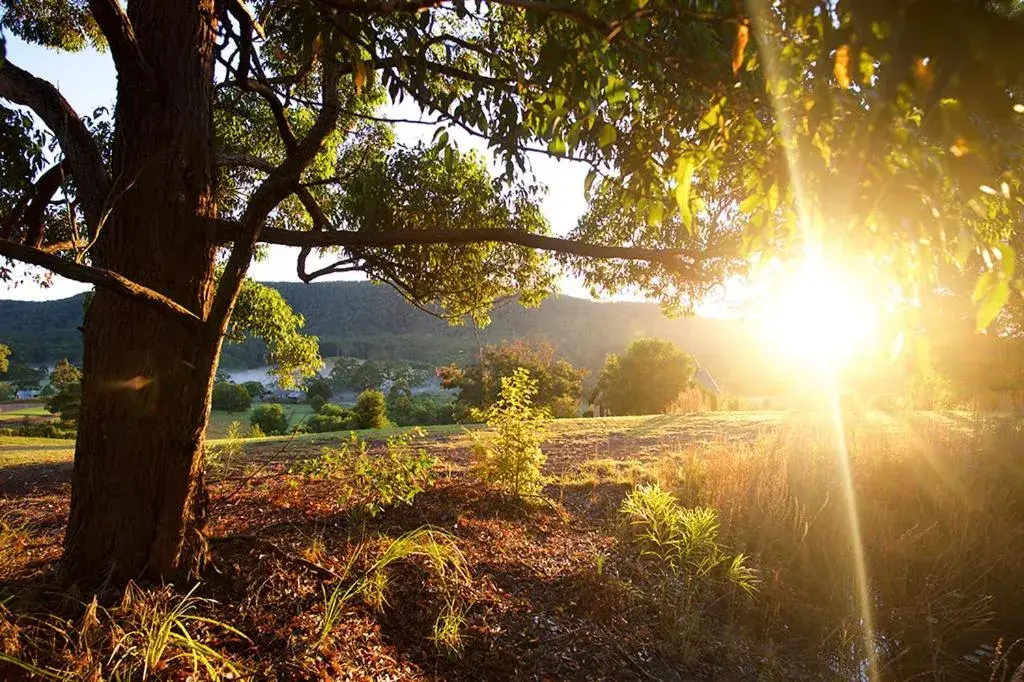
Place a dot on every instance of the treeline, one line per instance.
(359, 319)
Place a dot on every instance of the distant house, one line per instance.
(284, 396)
(27, 393)
(704, 379)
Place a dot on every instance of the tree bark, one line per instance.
(137, 495)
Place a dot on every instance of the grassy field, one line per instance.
(21, 413)
(220, 420)
(925, 584)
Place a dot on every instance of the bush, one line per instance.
(371, 410)
(329, 418)
(408, 409)
(682, 540)
(270, 419)
(224, 457)
(512, 458)
(7, 391)
(40, 430)
(373, 483)
(231, 397)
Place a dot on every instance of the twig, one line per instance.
(322, 571)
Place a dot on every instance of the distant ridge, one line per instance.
(370, 321)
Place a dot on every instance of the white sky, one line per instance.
(87, 80)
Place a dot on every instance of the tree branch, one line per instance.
(381, 6)
(120, 35)
(107, 279)
(351, 239)
(77, 143)
(280, 182)
(35, 214)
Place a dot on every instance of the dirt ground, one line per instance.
(549, 597)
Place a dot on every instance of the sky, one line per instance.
(87, 80)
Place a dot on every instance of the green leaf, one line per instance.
(557, 146)
(589, 182)
(656, 213)
(982, 286)
(750, 204)
(992, 303)
(684, 180)
(606, 135)
(710, 119)
(1007, 259)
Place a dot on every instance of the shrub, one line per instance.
(222, 458)
(329, 418)
(371, 410)
(373, 483)
(231, 397)
(511, 459)
(683, 540)
(270, 419)
(7, 391)
(408, 409)
(40, 430)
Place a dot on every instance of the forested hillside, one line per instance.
(362, 320)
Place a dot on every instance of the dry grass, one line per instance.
(560, 590)
(940, 516)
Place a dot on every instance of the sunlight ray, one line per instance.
(766, 23)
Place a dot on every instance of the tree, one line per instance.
(329, 418)
(645, 379)
(318, 391)
(230, 131)
(479, 384)
(231, 397)
(5, 353)
(270, 419)
(7, 391)
(66, 401)
(23, 376)
(371, 410)
(255, 389)
(511, 459)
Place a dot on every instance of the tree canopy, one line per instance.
(558, 384)
(645, 379)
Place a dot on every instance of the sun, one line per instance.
(813, 311)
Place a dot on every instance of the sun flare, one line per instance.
(816, 312)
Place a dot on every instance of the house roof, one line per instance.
(704, 378)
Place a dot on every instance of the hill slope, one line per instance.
(363, 320)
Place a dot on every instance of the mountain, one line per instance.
(369, 321)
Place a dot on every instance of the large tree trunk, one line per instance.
(137, 495)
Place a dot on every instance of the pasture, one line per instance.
(562, 585)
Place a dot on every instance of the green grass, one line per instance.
(221, 420)
(17, 451)
(20, 414)
(685, 428)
